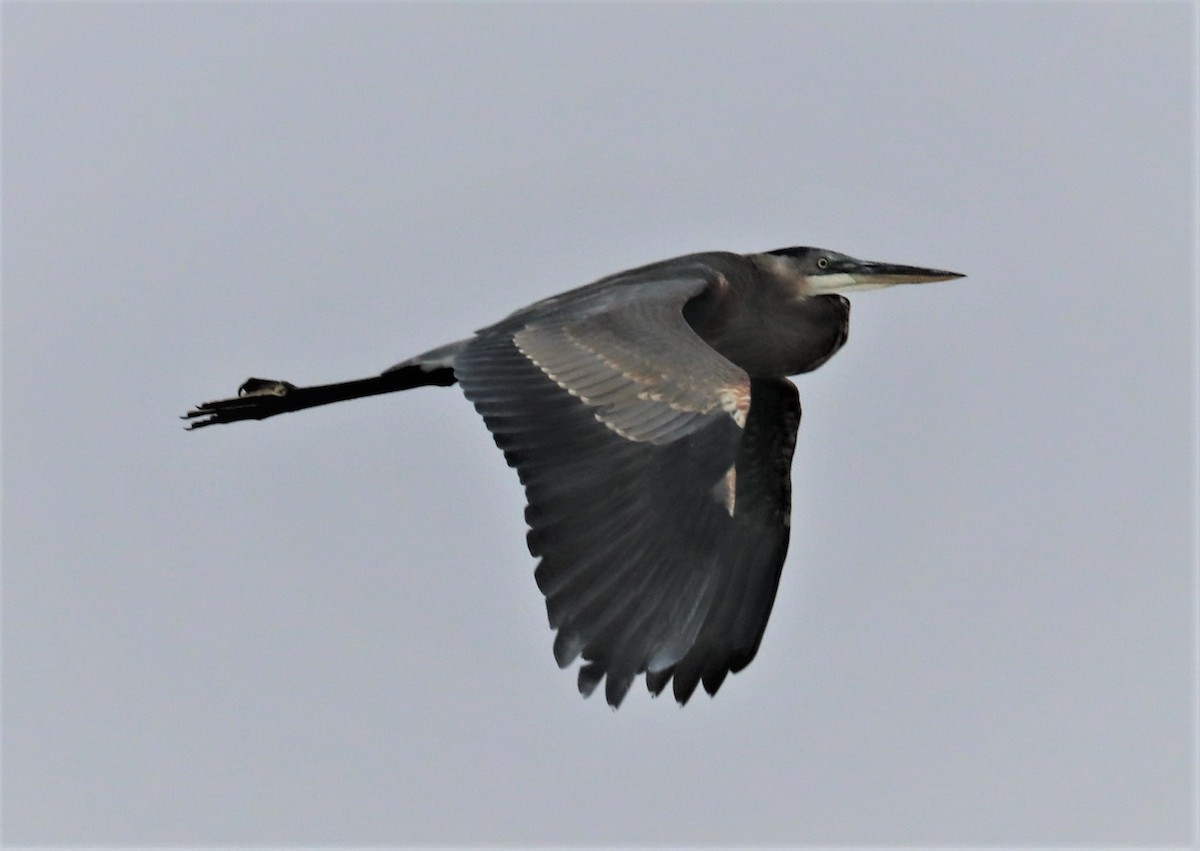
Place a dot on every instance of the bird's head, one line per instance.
(815, 271)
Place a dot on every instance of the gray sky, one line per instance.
(324, 628)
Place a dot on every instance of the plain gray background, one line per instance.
(324, 628)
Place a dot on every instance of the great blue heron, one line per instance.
(649, 419)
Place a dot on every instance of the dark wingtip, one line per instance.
(567, 647)
(616, 686)
(686, 680)
(713, 678)
(656, 681)
(589, 677)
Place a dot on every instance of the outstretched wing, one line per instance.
(656, 474)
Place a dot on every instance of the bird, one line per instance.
(652, 424)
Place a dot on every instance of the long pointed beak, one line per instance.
(862, 275)
(887, 274)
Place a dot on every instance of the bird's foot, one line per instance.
(257, 399)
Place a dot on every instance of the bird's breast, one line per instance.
(784, 338)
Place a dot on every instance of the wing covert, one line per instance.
(635, 360)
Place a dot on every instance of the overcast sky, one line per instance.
(324, 628)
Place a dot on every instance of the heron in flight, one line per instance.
(651, 423)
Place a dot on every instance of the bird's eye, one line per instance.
(822, 262)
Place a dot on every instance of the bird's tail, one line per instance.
(259, 398)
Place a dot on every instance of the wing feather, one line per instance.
(652, 471)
